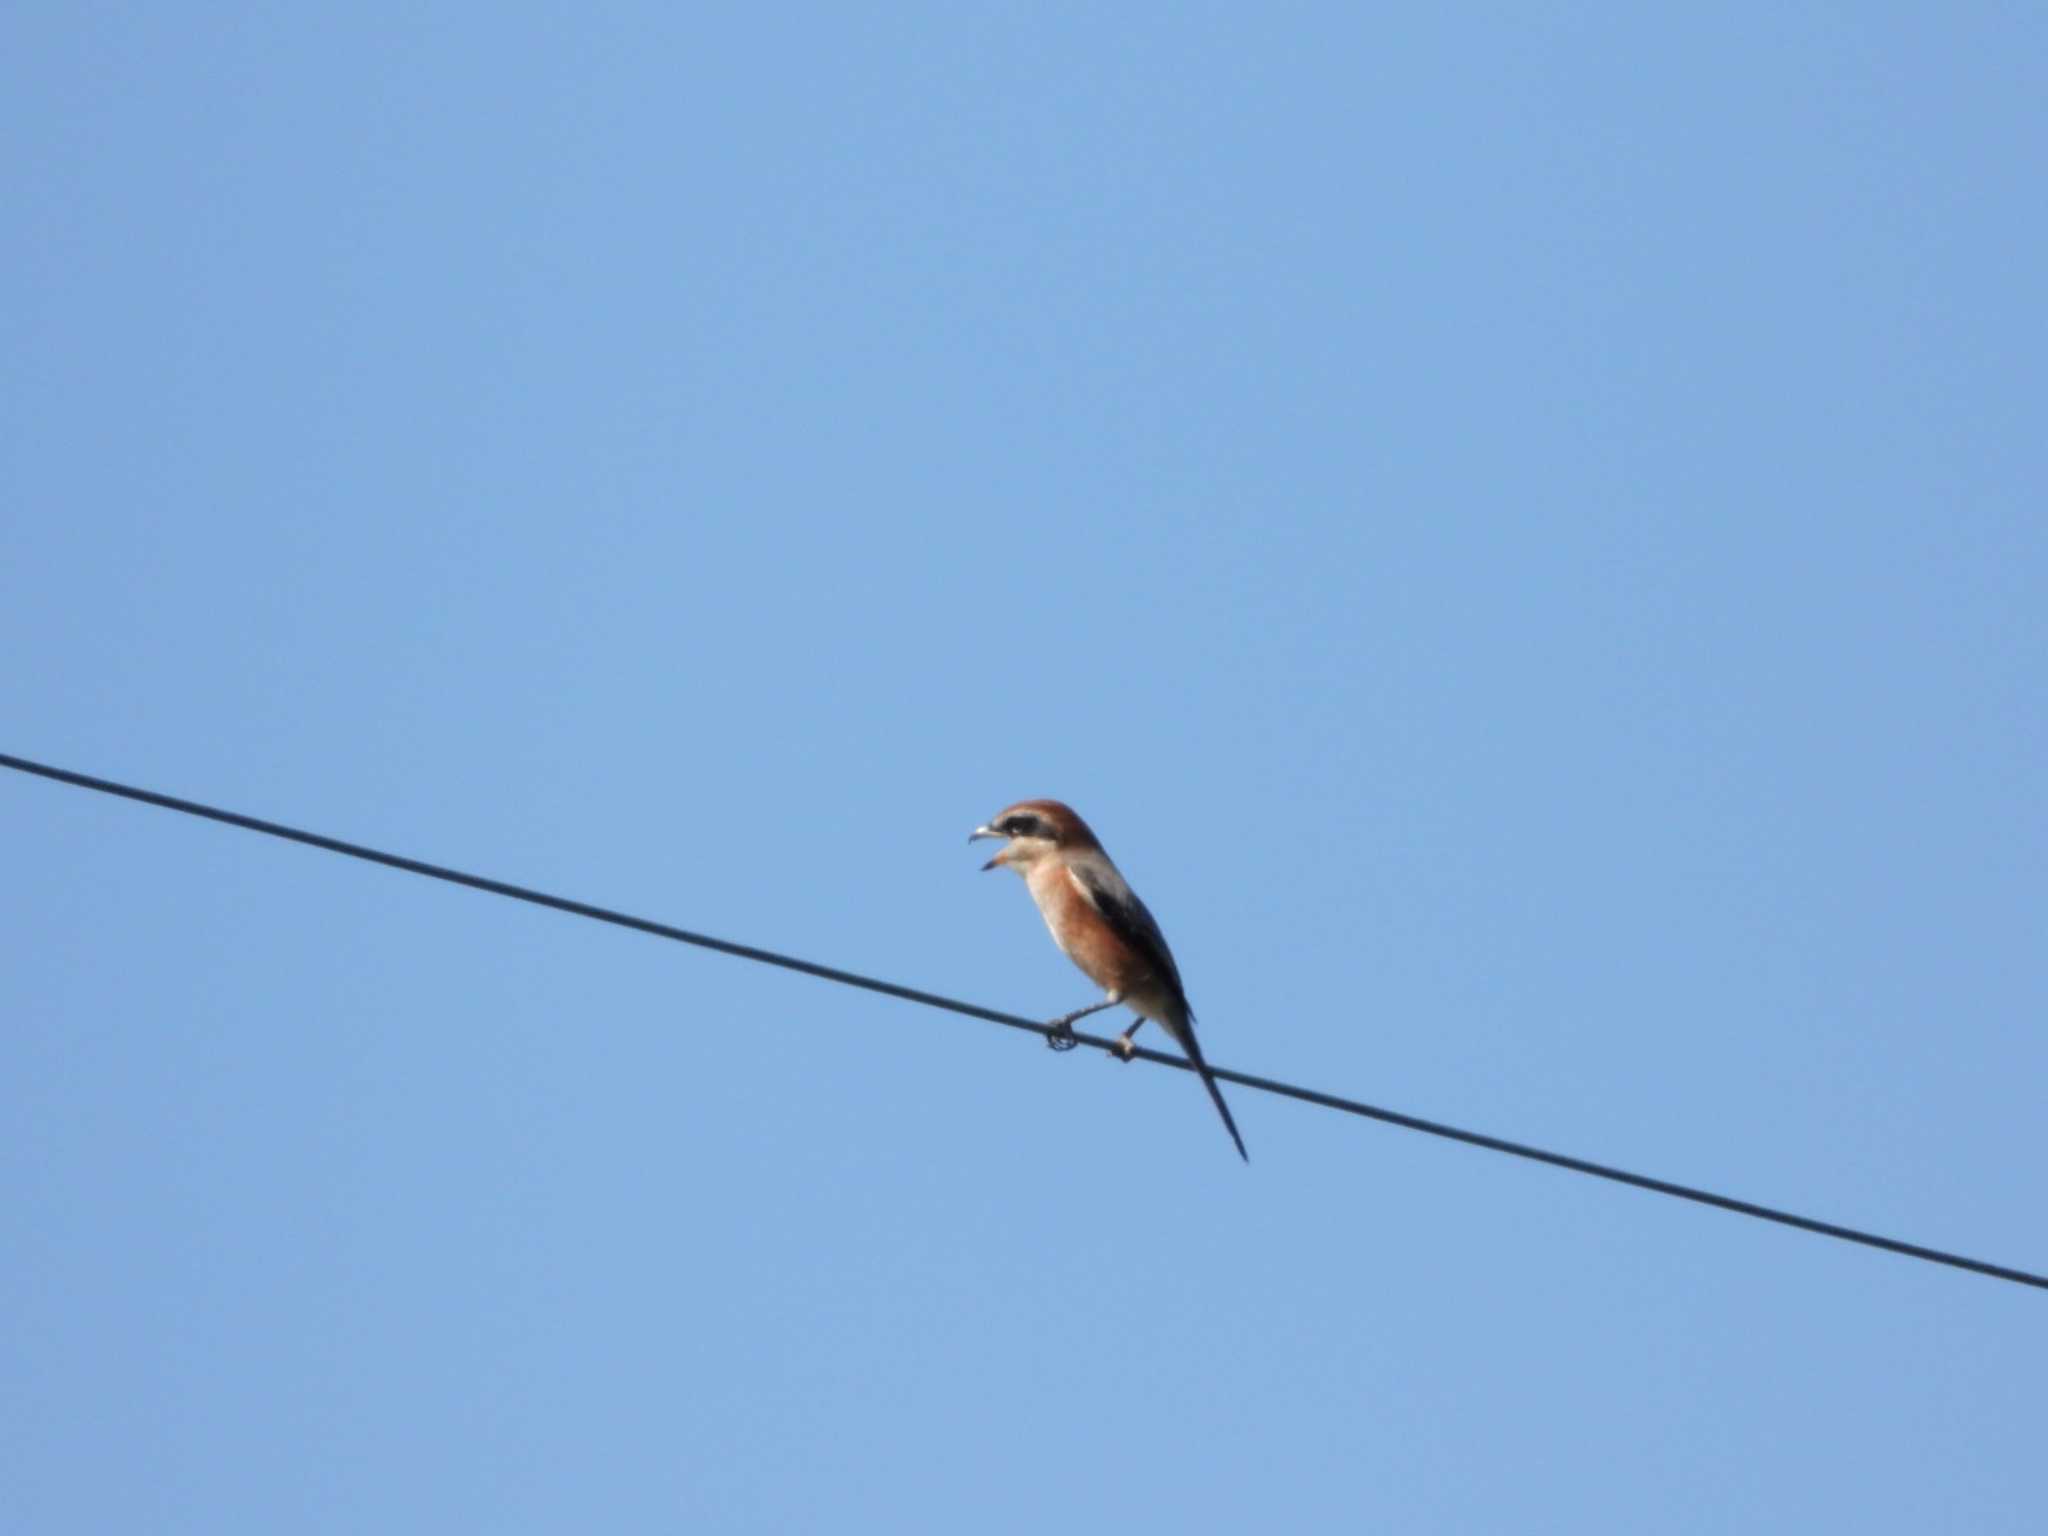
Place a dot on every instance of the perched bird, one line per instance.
(1099, 924)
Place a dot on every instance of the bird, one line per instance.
(1100, 924)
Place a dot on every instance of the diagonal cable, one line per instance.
(1014, 1021)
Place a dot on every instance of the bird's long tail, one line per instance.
(1186, 1033)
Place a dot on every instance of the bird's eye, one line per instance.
(1019, 826)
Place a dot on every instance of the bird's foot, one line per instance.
(1060, 1035)
(1125, 1048)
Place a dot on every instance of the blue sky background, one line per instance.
(1524, 533)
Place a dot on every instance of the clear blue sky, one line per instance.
(1526, 536)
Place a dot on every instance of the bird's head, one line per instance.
(1035, 830)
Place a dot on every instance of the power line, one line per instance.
(1033, 1026)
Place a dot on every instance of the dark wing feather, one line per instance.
(1136, 926)
(1133, 922)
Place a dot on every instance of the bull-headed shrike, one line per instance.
(1099, 924)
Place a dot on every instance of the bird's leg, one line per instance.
(1060, 1031)
(1124, 1046)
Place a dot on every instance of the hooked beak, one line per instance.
(981, 832)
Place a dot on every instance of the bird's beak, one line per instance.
(981, 832)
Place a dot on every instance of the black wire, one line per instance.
(1034, 1026)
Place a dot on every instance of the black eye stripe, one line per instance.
(1021, 826)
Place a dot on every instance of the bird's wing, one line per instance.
(1109, 894)
(1112, 897)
